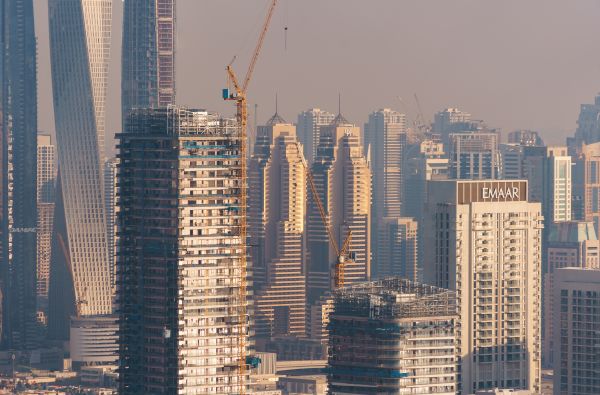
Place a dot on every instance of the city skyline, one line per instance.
(523, 78)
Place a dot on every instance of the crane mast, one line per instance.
(239, 96)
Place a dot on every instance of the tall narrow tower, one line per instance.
(79, 49)
(148, 57)
(343, 181)
(18, 154)
(277, 208)
(183, 310)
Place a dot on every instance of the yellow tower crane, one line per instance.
(343, 255)
(239, 96)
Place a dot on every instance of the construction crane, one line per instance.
(343, 255)
(239, 96)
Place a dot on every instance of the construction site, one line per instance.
(392, 336)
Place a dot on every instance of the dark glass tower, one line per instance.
(148, 59)
(18, 173)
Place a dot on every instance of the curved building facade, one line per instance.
(80, 275)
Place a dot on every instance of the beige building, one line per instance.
(570, 244)
(577, 344)
(276, 215)
(484, 241)
(46, 179)
(343, 181)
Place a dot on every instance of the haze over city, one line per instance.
(515, 64)
(299, 197)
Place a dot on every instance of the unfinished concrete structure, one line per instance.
(393, 336)
(182, 278)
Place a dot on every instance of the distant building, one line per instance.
(148, 54)
(276, 216)
(18, 139)
(577, 343)
(182, 279)
(309, 130)
(474, 155)
(79, 270)
(588, 124)
(384, 144)
(392, 336)
(398, 248)
(586, 184)
(94, 341)
(46, 180)
(428, 164)
(570, 244)
(343, 182)
(484, 241)
(525, 138)
(511, 162)
(451, 120)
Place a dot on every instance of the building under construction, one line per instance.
(392, 336)
(181, 258)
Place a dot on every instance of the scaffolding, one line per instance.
(395, 298)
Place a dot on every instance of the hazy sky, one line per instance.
(513, 63)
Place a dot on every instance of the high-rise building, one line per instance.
(309, 130)
(343, 181)
(558, 187)
(430, 163)
(384, 143)
(148, 54)
(586, 184)
(182, 274)
(46, 180)
(276, 217)
(18, 117)
(484, 241)
(570, 244)
(577, 343)
(398, 248)
(525, 137)
(511, 162)
(393, 336)
(79, 270)
(110, 207)
(451, 120)
(474, 155)
(588, 124)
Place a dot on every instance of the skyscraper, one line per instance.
(148, 54)
(398, 249)
(577, 343)
(428, 164)
(588, 124)
(570, 244)
(484, 241)
(277, 210)
(309, 130)
(586, 184)
(182, 279)
(393, 336)
(450, 120)
(343, 182)
(46, 180)
(474, 155)
(385, 141)
(18, 114)
(80, 272)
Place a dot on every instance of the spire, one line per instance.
(339, 119)
(276, 118)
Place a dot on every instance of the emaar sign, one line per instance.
(491, 191)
